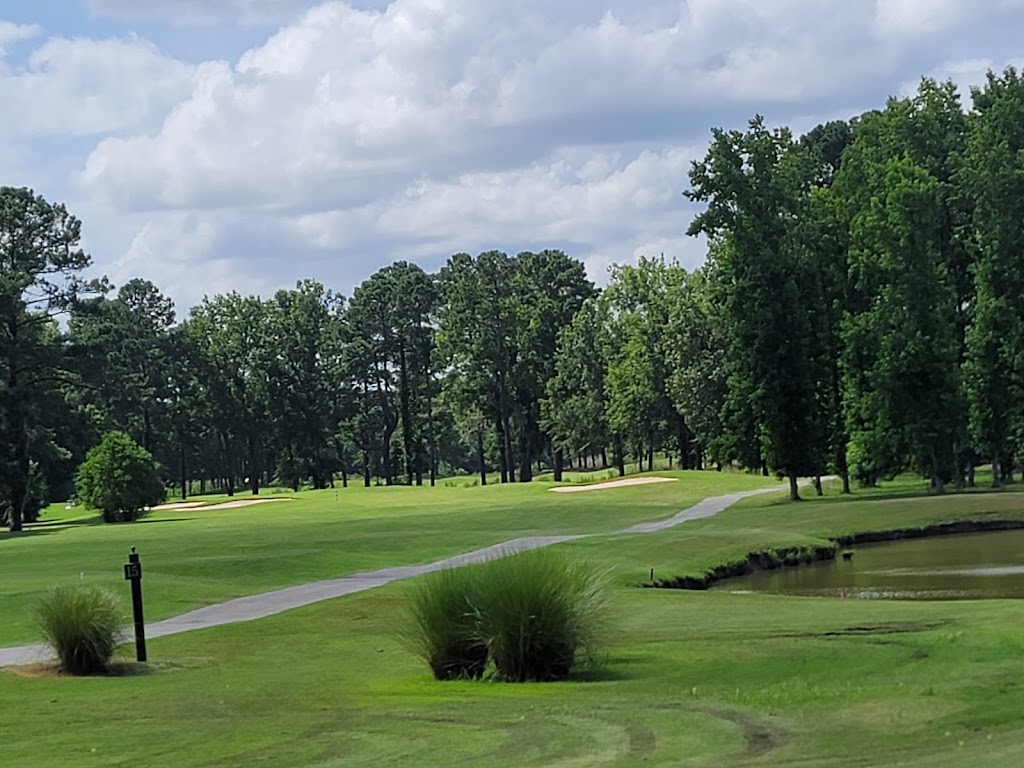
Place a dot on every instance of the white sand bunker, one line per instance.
(222, 505)
(614, 484)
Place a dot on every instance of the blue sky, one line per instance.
(212, 145)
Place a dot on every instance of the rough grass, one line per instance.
(82, 624)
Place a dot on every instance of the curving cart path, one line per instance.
(269, 603)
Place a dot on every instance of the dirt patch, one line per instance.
(891, 628)
(36, 671)
(613, 484)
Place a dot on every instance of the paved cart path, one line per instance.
(280, 600)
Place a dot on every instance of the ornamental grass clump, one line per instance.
(443, 619)
(540, 613)
(82, 624)
(534, 615)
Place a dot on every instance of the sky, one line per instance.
(219, 145)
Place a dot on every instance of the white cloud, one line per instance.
(77, 87)
(202, 12)
(15, 33)
(356, 135)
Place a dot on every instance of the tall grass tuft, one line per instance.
(82, 624)
(443, 618)
(540, 612)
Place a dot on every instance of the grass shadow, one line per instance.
(599, 672)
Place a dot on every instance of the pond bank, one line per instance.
(775, 558)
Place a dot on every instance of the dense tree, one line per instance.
(900, 334)
(993, 180)
(40, 278)
(229, 334)
(119, 479)
(754, 184)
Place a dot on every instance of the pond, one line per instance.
(964, 567)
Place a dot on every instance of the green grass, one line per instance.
(196, 557)
(689, 679)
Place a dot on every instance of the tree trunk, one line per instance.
(480, 456)
(938, 487)
(254, 472)
(997, 472)
(19, 484)
(431, 438)
(181, 466)
(764, 469)
(406, 414)
(503, 464)
(366, 468)
(794, 488)
(817, 486)
(620, 459)
(558, 461)
(970, 474)
(525, 468)
(506, 431)
(344, 477)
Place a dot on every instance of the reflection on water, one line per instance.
(966, 567)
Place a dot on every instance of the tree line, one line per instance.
(859, 313)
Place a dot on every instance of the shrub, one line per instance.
(442, 613)
(539, 612)
(120, 479)
(82, 624)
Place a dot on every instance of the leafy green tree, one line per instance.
(993, 179)
(550, 289)
(300, 356)
(120, 479)
(229, 333)
(40, 266)
(695, 353)
(123, 345)
(901, 336)
(574, 413)
(479, 322)
(755, 186)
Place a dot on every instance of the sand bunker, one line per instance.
(221, 505)
(244, 503)
(613, 484)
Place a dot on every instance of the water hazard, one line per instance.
(965, 567)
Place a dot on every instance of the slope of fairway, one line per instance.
(195, 557)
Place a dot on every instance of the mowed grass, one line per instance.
(196, 557)
(688, 679)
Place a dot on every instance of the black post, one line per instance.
(133, 573)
